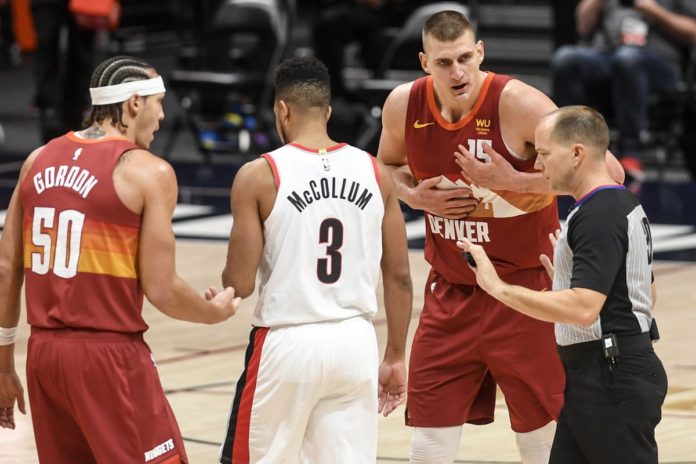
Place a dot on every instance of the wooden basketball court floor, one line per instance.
(199, 365)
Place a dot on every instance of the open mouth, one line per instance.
(458, 87)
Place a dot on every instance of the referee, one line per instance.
(601, 303)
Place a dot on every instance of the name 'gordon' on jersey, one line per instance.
(76, 178)
(333, 187)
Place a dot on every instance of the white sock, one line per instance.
(435, 445)
(535, 446)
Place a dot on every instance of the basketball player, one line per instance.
(488, 192)
(317, 218)
(601, 303)
(89, 229)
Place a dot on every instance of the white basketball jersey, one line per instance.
(323, 237)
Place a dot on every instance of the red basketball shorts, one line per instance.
(466, 343)
(96, 397)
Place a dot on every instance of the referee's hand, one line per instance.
(545, 260)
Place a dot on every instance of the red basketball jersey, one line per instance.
(80, 240)
(512, 227)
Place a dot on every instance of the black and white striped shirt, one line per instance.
(606, 246)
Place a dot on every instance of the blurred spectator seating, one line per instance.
(225, 83)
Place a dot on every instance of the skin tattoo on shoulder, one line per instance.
(93, 133)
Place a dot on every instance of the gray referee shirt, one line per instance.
(606, 246)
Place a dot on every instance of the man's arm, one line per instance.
(398, 299)
(587, 15)
(246, 238)
(392, 141)
(11, 280)
(578, 306)
(681, 27)
(453, 203)
(521, 108)
(156, 182)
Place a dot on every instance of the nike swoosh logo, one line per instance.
(418, 125)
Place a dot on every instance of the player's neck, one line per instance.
(315, 143)
(104, 130)
(311, 135)
(593, 181)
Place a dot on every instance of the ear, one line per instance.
(283, 110)
(579, 153)
(329, 110)
(423, 58)
(480, 51)
(134, 105)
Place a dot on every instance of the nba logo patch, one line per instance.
(325, 162)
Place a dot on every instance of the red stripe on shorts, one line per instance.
(240, 450)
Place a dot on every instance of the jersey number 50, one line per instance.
(65, 250)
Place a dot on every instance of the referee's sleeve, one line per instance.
(599, 242)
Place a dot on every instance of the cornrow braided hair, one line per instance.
(116, 70)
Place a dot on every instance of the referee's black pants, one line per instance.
(610, 414)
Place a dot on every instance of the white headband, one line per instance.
(121, 92)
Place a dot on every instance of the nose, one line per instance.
(457, 72)
(537, 164)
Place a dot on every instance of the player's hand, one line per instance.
(210, 293)
(391, 390)
(447, 203)
(545, 260)
(486, 275)
(10, 391)
(224, 302)
(495, 174)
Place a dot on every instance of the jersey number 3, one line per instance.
(60, 242)
(329, 268)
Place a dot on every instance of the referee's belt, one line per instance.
(593, 350)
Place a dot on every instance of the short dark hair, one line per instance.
(112, 71)
(580, 124)
(303, 81)
(447, 26)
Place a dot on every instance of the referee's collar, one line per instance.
(594, 192)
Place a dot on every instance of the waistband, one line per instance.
(85, 334)
(626, 343)
(526, 277)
